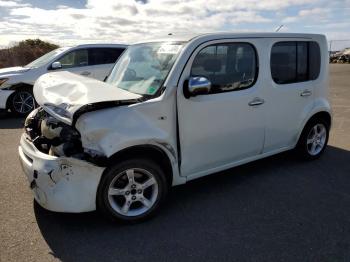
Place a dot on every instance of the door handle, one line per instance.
(306, 93)
(85, 73)
(256, 101)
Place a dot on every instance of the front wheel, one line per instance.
(22, 102)
(132, 191)
(313, 139)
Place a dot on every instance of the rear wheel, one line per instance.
(22, 102)
(132, 191)
(313, 139)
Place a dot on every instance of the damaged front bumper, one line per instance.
(61, 184)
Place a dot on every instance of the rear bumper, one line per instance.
(59, 184)
(4, 95)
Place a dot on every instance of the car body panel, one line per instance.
(241, 132)
(4, 95)
(72, 92)
(148, 123)
(60, 184)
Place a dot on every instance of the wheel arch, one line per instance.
(323, 114)
(152, 152)
(17, 87)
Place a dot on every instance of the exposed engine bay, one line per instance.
(53, 137)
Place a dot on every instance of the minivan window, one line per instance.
(75, 58)
(99, 56)
(229, 66)
(142, 68)
(294, 61)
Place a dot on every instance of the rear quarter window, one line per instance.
(295, 61)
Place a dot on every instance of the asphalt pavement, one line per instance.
(275, 209)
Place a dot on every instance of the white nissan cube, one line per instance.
(173, 110)
(91, 60)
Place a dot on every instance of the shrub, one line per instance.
(24, 52)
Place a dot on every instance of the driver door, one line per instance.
(224, 126)
(77, 61)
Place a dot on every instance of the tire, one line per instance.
(22, 102)
(311, 145)
(124, 199)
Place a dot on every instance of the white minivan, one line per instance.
(92, 60)
(173, 110)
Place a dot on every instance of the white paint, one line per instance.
(215, 132)
(70, 92)
(4, 95)
(63, 184)
(24, 75)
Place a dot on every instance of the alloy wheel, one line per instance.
(133, 192)
(23, 102)
(316, 139)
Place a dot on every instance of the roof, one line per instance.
(189, 36)
(99, 45)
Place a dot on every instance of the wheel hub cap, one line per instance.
(316, 139)
(133, 192)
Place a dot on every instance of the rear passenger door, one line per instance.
(102, 61)
(293, 67)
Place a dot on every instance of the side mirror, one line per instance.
(56, 65)
(197, 85)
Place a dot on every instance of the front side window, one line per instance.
(75, 58)
(229, 66)
(100, 56)
(293, 61)
(142, 68)
(43, 60)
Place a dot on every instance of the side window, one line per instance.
(314, 60)
(229, 67)
(293, 62)
(75, 59)
(98, 56)
(283, 62)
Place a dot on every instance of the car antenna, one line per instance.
(279, 28)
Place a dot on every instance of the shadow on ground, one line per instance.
(8, 121)
(275, 209)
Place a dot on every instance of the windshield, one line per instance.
(45, 58)
(143, 68)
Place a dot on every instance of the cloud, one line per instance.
(129, 21)
(314, 14)
(12, 4)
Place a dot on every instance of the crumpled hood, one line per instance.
(13, 70)
(65, 93)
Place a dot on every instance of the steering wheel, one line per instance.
(130, 73)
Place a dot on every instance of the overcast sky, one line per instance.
(69, 22)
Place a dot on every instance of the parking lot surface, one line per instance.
(275, 209)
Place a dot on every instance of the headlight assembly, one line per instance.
(60, 110)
